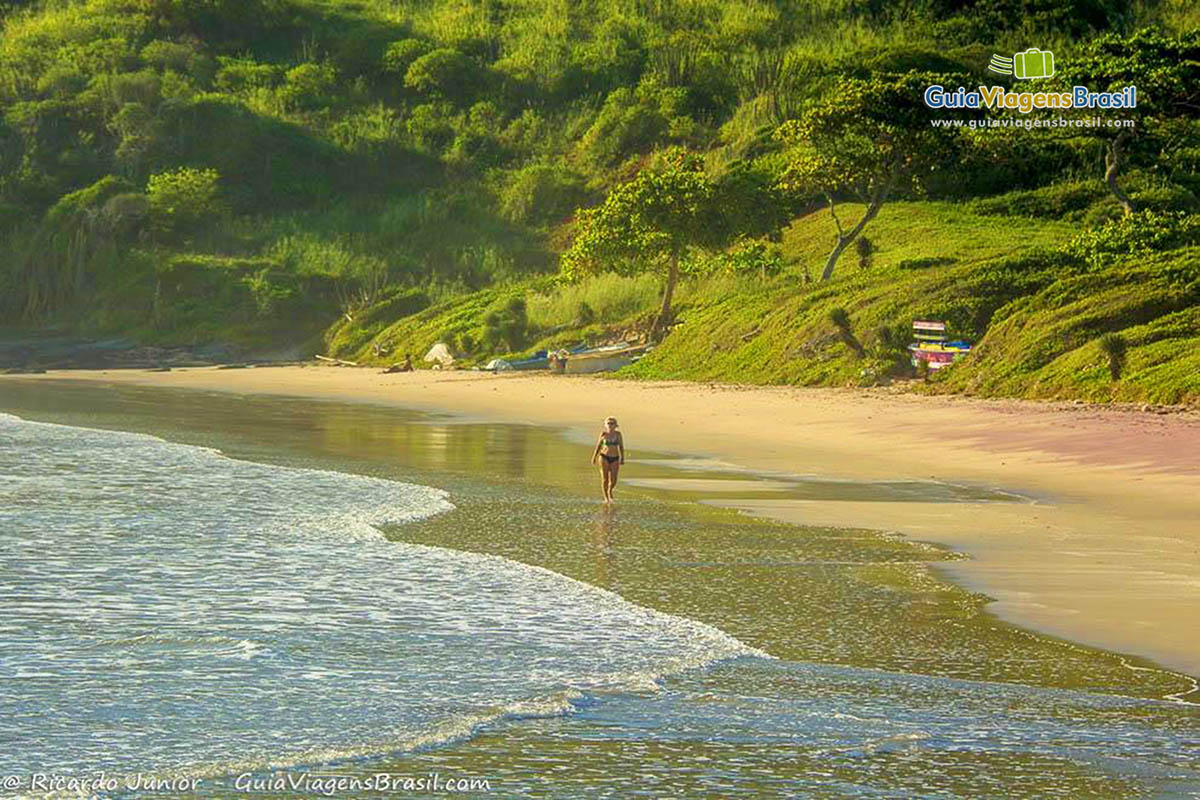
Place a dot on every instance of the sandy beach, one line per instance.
(1105, 551)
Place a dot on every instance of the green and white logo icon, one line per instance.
(1032, 63)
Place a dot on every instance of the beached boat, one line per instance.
(603, 359)
(938, 355)
(932, 348)
(539, 360)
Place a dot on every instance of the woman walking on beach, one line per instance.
(611, 452)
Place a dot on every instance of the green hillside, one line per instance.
(366, 178)
(1025, 294)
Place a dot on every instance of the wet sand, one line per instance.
(1107, 551)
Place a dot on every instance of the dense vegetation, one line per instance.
(370, 177)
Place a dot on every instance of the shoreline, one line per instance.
(1106, 554)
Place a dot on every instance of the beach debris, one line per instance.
(440, 355)
(336, 361)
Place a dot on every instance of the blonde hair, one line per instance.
(613, 420)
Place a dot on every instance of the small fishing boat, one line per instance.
(539, 360)
(932, 346)
(603, 359)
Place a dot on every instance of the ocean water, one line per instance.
(166, 609)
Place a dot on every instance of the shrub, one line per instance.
(893, 337)
(626, 124)
(1048, 202)
(309, 86)
(751, 257)
(541, 193)
(144, 88)
(431, 126)
(62, 81)
(904, 58)
(400, 55)
(1140, 232)
(123, 214)
(866, 252)
(441, 73)
(841, 320)
(506, 324)
(1165, 198)
(1113, 346)
(475, 150)
(185, 199)
(925, 263)
(243, 74)
(269, 295)
(179, 57)
(609, 298)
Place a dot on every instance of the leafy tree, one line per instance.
(1165, 70)
(750, 202)
(648, 223)
(863, 141)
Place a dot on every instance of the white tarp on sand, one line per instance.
(440, 354)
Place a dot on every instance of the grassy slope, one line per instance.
(1046, 346)
(913, 231)
(782, 333)
(1036, 325)
(1035, 321)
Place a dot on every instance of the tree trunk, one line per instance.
(664, 314)
(1112, 168)
(845, 240)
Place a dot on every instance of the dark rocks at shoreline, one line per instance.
(36, 355)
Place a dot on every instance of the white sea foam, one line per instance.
(169, 608)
